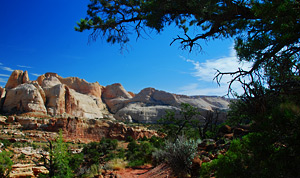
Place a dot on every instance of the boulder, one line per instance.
(24, 98)
(10, 119)
(3, 120)
(17, 77)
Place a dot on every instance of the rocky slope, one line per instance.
(54, 96)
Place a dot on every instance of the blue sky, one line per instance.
(39, 36)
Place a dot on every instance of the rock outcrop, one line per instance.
(150, 105)
(62, 99)
(17, 77)
(24, 98)
(2, 96)
(75, 83)
(115, 96)
(141, 113)
(54, 95)
(84, 130)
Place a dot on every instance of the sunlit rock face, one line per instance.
(16, 78)
(150, 105)
(54, 95)
(24, 98)
(72, 96)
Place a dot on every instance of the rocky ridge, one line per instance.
(55, 96)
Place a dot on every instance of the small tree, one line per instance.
(189, 122)
(183, 124)
(61, 159)
(57, 163)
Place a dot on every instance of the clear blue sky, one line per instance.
(39, 36)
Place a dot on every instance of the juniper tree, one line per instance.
(266, 33)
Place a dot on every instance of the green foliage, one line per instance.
(189, 122)
(139, 154)
(157, 142)
(178, 155)
(75, 161)
(5, 164)
(61, 159)
(185, 124)
(233, 164)
(129, 139)
(6, 143)
(95, 153)
(258, 154)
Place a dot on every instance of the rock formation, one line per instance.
(24, 98)
(16, 78)
(2, 96)
(82, 129)
(54, 95)
(115, 96)
(62, 99)
(150, 105)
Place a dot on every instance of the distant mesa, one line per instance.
(53, 95)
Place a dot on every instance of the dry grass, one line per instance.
(116, 164)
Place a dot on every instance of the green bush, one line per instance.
(157, 142)
(232, 164)
(139, 154)
(95, 152)
(256, 155)
(6, 143)
(75, 161)
(5, 164)
(129, 139)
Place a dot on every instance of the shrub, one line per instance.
(5, 164)
(139, 154)
(177, 155)
(93, 171)
(116, 164)
(95, 152)
(232, 164)
(6, 143)
(157, 142)
(129, 139)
